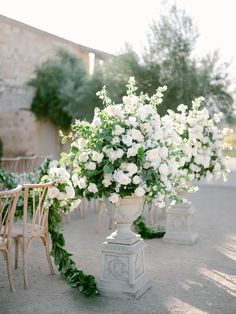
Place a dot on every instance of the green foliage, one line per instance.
(145, 232)
(59, 83)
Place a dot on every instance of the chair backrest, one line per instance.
(9, 164)
(8, 202)
(35, 213)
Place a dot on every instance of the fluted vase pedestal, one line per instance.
(179, 228)
(122, 266)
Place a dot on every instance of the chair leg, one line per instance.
(25, 264)
(45, 241)
(16, 242)
(8, 259)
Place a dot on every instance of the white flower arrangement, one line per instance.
(127, 149)
(62, 193)
(202, 141)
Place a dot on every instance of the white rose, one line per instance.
(119, 153)
(92, 188)
(70, 192)
(121, 177)
(152, 154)
(82, 183)
(83, 157)
(63, 203)
(80, 143)
(132, 151)
(114, 198)
(61, 196)
(63, 173)
(53, 192)
(127, 140)
(139, 191)
(90, 165)
(97, 157)
(137, 135)
(53, 172)
(136, 179)
(131, 168)
(164, 169)
(75, 179)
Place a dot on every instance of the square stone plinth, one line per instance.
(123, 272)
(179, 224)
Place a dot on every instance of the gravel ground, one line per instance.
(185, 279)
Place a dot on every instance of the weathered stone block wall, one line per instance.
(22, 48)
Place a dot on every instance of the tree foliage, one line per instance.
(65, 92)
(59, 83)
(169, 60)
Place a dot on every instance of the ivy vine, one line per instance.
(146, 232)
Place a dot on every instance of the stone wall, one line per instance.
(22, 48)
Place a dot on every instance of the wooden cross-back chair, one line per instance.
(8, 202)
(34, 225)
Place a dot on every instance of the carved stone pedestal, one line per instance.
(122, 272)
(179, 224)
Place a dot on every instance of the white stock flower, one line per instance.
(53, 164)
(80, 143)
(118, 130)
(139, 191)
(164, 169)
(97, 157)
(163, 152)
(92, 188)
(90, 165)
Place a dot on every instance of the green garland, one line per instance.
(145, 232)
(86, 284)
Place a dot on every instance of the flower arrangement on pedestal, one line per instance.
(126, 150)
(202, 141)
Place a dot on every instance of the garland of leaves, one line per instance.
(86, 284)
(146, 232)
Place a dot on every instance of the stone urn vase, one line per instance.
(125, 213)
